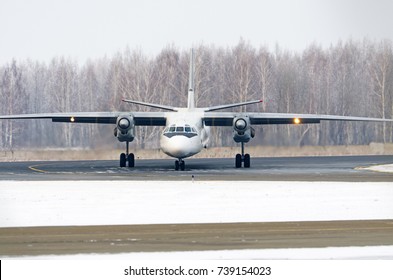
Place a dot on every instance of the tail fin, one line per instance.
(191, 99)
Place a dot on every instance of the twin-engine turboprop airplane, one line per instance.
(186, 130)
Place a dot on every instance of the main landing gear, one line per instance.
(126, 157)
(243, 158)
(180, 164)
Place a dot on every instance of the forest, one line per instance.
(351, 78)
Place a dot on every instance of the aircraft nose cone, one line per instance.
(181, 146)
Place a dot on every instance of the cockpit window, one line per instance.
(186, 130)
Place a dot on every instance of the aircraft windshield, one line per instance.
(185, 130)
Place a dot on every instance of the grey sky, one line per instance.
(82, 29)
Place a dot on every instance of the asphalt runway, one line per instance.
(149, 238)
(343, 168)
(192, 237)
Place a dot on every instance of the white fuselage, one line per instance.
(185, 134)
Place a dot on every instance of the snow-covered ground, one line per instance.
(381, 168)
(151, 202)
(341, 253)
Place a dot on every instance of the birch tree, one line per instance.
(13, 94)
(381, 70)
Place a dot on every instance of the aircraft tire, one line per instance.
(247, 161)
(238, 161)
(123, 160)
(182, 165)
(176, 165)
(131, 160)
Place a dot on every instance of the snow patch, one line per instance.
(342, 253)
(65, 203)
(381, 168)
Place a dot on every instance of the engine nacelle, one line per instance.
(242, 130)
(125, 128)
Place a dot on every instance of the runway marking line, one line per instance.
(34, 168)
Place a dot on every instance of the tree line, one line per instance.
(349, 78)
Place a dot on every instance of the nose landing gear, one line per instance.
(242, 158)
(180, 164)
(126, 157)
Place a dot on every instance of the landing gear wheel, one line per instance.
(246, 158)
(126, 157)
(131, 160)
(123, 160)
(182, 165)
(238, 161)
(247, 161)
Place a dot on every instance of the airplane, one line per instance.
(187, 129)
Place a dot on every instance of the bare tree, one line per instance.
(62, 89)
(241, 79)
(381, 70)
(13, 101)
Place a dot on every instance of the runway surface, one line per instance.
(193, 237)
(345, 168)
(186, 237)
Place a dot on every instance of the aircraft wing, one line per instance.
(226, 118)
(140, 118)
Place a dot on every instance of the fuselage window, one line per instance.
(193, 130)
(187, 129)
(179, 129)
(172, 129)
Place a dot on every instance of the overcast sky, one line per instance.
(82, 29)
